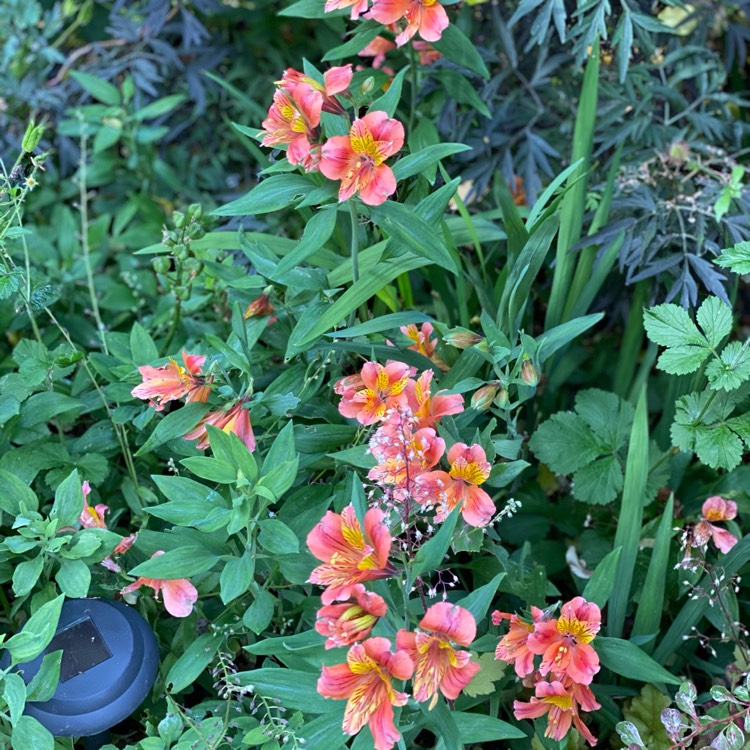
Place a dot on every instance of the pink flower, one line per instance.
(179, 594)
(92, 517)
(358, 6)
(173, 381)
(358, 159)
(335, 81)
(122, 546)
(429, 409)
(377, 49)
(716, 509)
(561, 702)
(350, 556)
(438, 665)
(236, 419)
(381, 389)
(348, 622)
(292, 121)
(564, 643)
(428, 17)
(469, 469)
(424, 343)
(513, 646)
(365, 681)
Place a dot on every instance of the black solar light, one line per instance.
(109, 663)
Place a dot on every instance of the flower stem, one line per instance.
(414, 71)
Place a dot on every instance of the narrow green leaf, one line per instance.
(102, 90)
(174, 425)
(272, 194)
(430, 555)
(193, 661)
(479, 600)
(294, 689)
(456, 46)
(177, 563)
(417, 162)
(318, 231)
(600, 585)
(68, 500)
(390, 99)
(628, 532)
(627, 659)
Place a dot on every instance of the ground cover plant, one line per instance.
(396, 372)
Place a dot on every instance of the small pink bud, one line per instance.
(502, 399)
(482, 398)
(260, 306)
(529, 374)
(461, 338)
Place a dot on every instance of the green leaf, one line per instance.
(649, 613)
(418, 162)
(37, 633)
(143, 350)
(68, 500)
(598, 482)
(102, 90)
(182, 562)
(14, 493)
(715, 318)
(556, 338)
(26, 574)
(160, 107)
(74, 578)
(212, 469)
(442, 724)
(390, 99)
(404, 226)
(294, 689)
(277, 538)
(388, 322)
(626, 659)
(737, 258)
(456, 46)
(600, 585)
(28, 733)
(491, 670)
(44, 684)
(643, 714)
(272, 194)
(193, 661)
(479, 600)
(14, 694)
(718, 447)
(236, 577)
(628, 532)
(682, 359)
(609, 416)
(565, 443)
(364, 35)
(259, 614)
(318, 231)
(430, 555)
(732, 369)
(475, 727)
(670, 326)
(174, 425)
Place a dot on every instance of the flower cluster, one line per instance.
(406, 445)
(173, 381)
(715, 509)
(352, 556)
(568, 664)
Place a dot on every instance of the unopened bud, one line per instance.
(502, 399)
(195, 211)
(679, 153)
(162, 264)
(182, 293)
(529, 375)
(462, 338)
(179, 219)
(259, 306)
(483, 397)
(196, 231)
(32, 136)
(367, 86)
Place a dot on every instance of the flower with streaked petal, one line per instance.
(365, 681)
(377, 49)
(348, 622)
(438, 666)
(173, 381)
(382, 388)
(92, 517)
(358, 7)
(716, 509)
(427, 408)
(179, 594)
(350, 556)
(236, 419)
(358, 159)
(565, 643)
(428, 17)
(513, 646)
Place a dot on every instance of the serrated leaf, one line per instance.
(490, 671)
(718, 447)
(598, 482)
(609, 416)
(737, 258)
(565, 443)
(682, 359)
(732, 368)
(715, 318)
(670, 325)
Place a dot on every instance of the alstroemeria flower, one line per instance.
(358, 7)
(179, 594)
(377, 49)
(381, 388)
(565, 643)
(561, 702)
(292, 121)
(469, 469)
(365, 681)
(358, 159)
(236, 419)
(260, 306)
(437, 664)
(349, 555)
(424, 343)
(513, 646)
(92, 517)
(428, 17)
(716, 509)
(402, 454)
(335, 81)
(348, 622)
(173, 381)
(120, 548)
(429, 409)
(427, 53)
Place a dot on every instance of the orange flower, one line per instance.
(350, 557)
(428, 17)
(179, 594)
(377, 49)
(335, 81)
(429, 409)
(716, 509)
(439, 666)
(92, 517)
(513, 646)
(365, 681)
(348, 622)
(173, 381)
(377, 389)
(358, 159)
(236, 419)
(469, 469)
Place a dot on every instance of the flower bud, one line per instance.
(182, 293)
(367, 86)
(679, 153)
(502, 399)
(162, 264)
(195, 211)
(32, 136)
(179, 219)
(483, 397)
(196, 231)
(462, 338)
(259, 306)
(529, 374)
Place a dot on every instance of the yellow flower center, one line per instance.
(714, 515)
(564, 702)
(472, 473)
(576, 629)
(365, 145)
